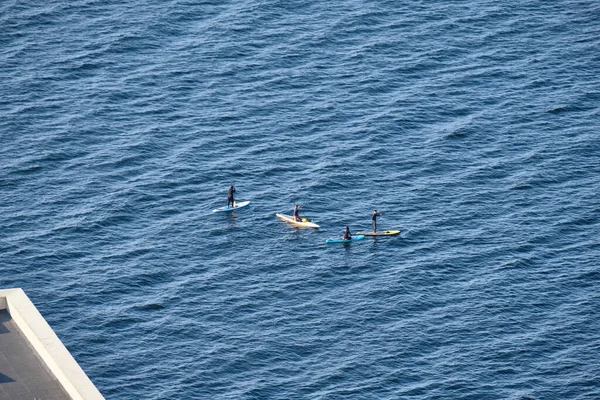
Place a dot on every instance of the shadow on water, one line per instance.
(231, 219)
(374, 242)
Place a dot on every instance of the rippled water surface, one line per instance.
(473, 126)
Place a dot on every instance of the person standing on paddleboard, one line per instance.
(374, 220)
(230, 196)
(347, 235)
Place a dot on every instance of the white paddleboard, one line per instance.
(238, 205)
(291, 220)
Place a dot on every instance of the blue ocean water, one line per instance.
(473, 126)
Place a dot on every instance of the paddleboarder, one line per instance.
(347, 235)
(374, 220)
(230, 194)
(297, 213)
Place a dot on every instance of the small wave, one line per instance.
(558, 110)
(150, 307)
(523, 186)
(458, 134)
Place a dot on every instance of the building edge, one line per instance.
(47, 345)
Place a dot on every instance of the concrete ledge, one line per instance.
(48, 346)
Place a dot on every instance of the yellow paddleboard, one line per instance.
(380, 233)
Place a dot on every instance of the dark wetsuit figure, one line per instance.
(374, 220)
(347, 235)
(230, 196)
(297, 213)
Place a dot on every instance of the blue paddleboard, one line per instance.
(238, 205)
(355, 238)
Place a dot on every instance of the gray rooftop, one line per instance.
(23, 375)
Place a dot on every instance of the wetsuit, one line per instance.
(230, 196)
(374, 220)
(347, 235)
(297, 215)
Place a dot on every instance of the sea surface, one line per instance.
(473, 126)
